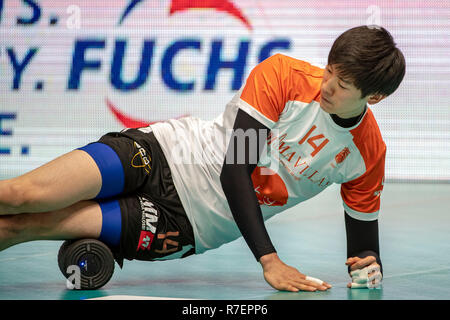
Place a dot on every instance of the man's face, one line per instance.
(339, 96)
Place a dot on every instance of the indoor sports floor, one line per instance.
(414, 242)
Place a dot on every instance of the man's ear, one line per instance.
(375, 98)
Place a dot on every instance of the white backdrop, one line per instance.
(61, 62)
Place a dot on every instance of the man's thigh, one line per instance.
(57, 184)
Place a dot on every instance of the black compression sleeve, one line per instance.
(362, 239)
(238, 186)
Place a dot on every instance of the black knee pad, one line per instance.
(91, 257)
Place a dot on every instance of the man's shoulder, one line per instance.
(300, 79)
(368, 126)
(303, 66)
(368, 138)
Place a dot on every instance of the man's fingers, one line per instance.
(316, 283)
(307, 288)
(295, 286)
(366, 272)
(363, 263)
(352, 260)
(289, 287)
(304, 286)
(315, 280)
(307, 285)
(311, 282)
(293, 280)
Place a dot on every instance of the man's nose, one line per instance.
(328, 88)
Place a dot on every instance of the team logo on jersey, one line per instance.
(150, 216)
(270, 189)
(141, 159)
(377, 193)
(340, 157)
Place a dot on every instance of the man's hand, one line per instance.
(365, 272)
(283, 277)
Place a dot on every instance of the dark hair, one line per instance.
(367, 56)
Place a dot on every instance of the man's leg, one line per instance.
(81, 220)
(70, 178)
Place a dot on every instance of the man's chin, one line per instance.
(323, 106)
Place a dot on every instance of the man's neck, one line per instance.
(348, 122)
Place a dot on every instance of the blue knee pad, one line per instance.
(110, 166)
(111, 222)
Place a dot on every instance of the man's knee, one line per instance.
(19, 194)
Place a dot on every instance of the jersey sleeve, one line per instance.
(263, 95)
(361, 196)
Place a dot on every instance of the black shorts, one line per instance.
(154, 223)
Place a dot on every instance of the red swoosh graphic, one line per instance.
(129, 122)
(219, 5)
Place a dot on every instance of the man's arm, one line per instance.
(239, 190)
(363, 251)
(238, 186)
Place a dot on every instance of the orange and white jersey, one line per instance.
(306, 152)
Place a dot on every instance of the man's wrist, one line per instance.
(268, 258)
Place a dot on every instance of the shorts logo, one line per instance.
(145, 240)
(144, 159)
(150, 216)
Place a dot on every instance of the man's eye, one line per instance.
(342, 86)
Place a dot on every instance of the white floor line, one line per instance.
(126, 297)
(27, 256)
(402, 275)
(417, 272)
